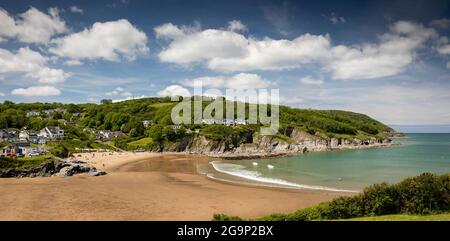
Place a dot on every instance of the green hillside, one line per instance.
(127, 117)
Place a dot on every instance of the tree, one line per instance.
(156, 133)
(106, 101)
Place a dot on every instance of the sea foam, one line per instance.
(240, 171)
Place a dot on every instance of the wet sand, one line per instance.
(144, 186)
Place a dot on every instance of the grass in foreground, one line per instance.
(23, 162)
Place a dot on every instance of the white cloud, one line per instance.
(448, 65)
(308, 80)
(108, 41)
(174, 90)
(75, 9)
(130, 98)
(36, 91)
(395, 51)
(228, 51)
(118, 91)
(441, 23)
(444, 49)
(49, 76)
(207, 82)
(31, 63)
(238, 81)
(246, 81)
(236, 26)
(2, 94)
(32, 26)
(73, 62)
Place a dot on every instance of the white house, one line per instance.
(51, 132)
(33, 113)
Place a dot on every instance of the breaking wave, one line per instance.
(240, 171)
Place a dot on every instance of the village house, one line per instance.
(32, 113)
(51, 132)
(31, 136)
(107, 135)
(8, 135)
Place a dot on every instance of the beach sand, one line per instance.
(144, 186)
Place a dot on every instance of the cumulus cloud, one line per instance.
(238, 81)
(444, 49)
(395, 51)
(32, 26)
(118, 91)
(174, 90)
(228, 51)
(36, 91)
(49, 76)
(75, 9)
(236, 26)
(309, 80)
(108, 41)
(31, 63)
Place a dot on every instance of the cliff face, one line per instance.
(262, 146)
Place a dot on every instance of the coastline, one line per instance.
(145, 186)
(243, 156)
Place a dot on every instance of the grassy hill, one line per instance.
(127, 117)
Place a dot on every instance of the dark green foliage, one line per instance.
(59, 150)
(223, 217)
(423, 194)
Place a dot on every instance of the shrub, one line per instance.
(423, 194)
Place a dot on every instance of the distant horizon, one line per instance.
(422, 129)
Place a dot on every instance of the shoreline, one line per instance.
(249, 156)
(146, 186)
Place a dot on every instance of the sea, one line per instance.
(345, 170)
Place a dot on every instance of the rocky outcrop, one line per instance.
(54, 168)
(298, 141)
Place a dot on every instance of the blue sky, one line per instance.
(387, 59)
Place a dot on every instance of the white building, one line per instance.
(33, 113)
(51, 132)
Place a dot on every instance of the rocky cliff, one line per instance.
(262, 146)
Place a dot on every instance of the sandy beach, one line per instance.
(144, 186)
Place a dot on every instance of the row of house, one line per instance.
(226, 121)
(21, 149)
(104, 135)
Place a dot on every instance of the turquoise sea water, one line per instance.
(347, 170)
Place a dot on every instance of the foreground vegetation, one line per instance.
(405, 217)
(421, 195)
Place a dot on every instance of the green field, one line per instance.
(141, 143)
